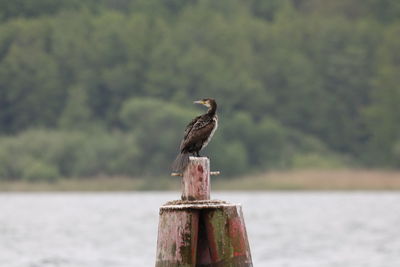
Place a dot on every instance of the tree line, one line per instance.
(91, 88)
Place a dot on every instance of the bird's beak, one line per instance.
(198, 102)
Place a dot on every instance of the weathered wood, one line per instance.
(199, 232)
(227, 237)
(196, 179)
(221, 236)
(195, 205)
(177, 238)
(181, 174)
(203, 257)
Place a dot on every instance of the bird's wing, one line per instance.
(199, 132)
(190, 126)
(201, 122)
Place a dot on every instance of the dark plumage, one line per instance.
(198, 134)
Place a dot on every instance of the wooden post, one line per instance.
(196, 179)
(227, 237)
(197, 231)
(177, 238)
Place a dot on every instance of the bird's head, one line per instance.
(208, 102)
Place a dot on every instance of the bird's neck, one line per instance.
(212, 110)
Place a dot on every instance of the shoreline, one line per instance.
(293, 180)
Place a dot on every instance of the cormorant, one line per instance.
(198, 134)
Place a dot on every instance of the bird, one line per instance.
(198, 134)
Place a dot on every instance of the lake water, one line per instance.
(285, 229)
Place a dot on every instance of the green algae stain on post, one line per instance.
(227, 233)
(199, 232)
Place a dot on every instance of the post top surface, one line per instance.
(196, 204)
(198, 159)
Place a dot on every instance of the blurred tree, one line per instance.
(23, 8)
(291, 77)
(29, 80)
(383, 115)
(158, 126)
(267, 9)
(76, 114)
(385, 11)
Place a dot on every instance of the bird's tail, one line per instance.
(180, 163)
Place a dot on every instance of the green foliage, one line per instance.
(39, 171)
(298, 83)
(76, 113)
(23, 8)
(318, 161)
(230, 157)
(157, 125)
(383, 115)
(47, 155)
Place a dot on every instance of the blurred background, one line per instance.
(94, 89)
(95, 95)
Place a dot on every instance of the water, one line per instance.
(299, 229)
